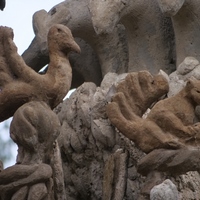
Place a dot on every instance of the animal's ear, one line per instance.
(191, 81)
(39, 19)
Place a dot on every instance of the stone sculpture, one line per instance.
(20, 84)
(185, 17)
(110, 49)
(101, 143)
(170, 123)
(35, 127)
(149, 34)
(98, 162)
(169, 134)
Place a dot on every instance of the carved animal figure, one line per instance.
(149, 34)
(20, 84)
(110, 49)
(185, 17)
(34, 128)
(177, 114)
(170, 124)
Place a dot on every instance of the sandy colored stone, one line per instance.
(169, 124)
(20, 84)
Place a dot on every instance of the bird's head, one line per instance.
(60, 37)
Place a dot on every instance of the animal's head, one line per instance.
(36, 55)
(43, 21)
(192, 89)
(142, 89)
(60, 37)
(106, 14)
(153, 86)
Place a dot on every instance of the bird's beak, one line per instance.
(76, 48)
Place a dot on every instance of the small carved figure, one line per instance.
(185, 17)
(170, 123)
(176, 115)
(34, 128)
(20, 84)
(149, 33)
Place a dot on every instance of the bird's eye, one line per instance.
(59, 30)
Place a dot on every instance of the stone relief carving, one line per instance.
(35, 127)
(169, 127)
(95, 156)
(101, 143)
(20, 84)
(109, 49)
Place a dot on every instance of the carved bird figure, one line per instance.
(20, 84)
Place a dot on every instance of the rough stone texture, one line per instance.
(170, 123)
(172, 162)
(20, 84)
(89, 145)
(95, 155)
(97, 160)
(149, 34)
(108, 53)
(166, 122)
(37, 174)
(178, 79)
(188, 185)
(185, 17)
(164, 191)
